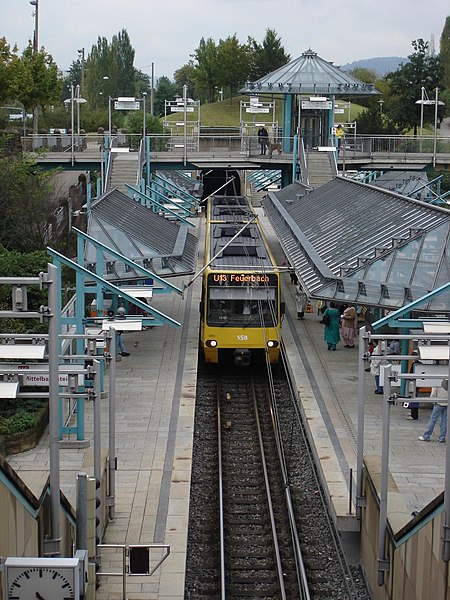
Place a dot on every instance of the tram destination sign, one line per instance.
(242, 279)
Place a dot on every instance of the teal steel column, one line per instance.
(147, 160)
(288, 101)
(294, 158)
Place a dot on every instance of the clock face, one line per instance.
(39, 583)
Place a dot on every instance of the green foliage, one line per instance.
(35, 80)
(109, 70)
(185, 75)
(166, 90)
(363, 74)
(233, 64)
(15, 264)
(266, 57)
(373, 121)
(28, 205)
(21, 421)
(206, 74)
(445, 52)
(422, 70)
(135, 119)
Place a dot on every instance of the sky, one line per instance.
(166, 33)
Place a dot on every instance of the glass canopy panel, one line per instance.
(393, 296)
(400, 273)
(424, 276)
(369, 293)
(378, 271)
(347, 290)
(410, 250)
(433, 243)
(441, 302)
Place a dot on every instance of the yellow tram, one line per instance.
(241, 309)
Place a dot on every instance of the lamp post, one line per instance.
(381, 102)
(35, 3)
(144, 96)
(436, 103)
(79, 100)
(81, 54)
(425, 100)
(72, 124)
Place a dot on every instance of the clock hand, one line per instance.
(39, 597)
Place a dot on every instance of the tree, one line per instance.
(445, 52)
(266, 57)
(29, 204)
(185, 75)
(364, 74)
(109, 70)
(122, 55)
(34, 80)
(166, 90)
(232, 62)
(8, 58)
(373, 121)
(206, 74)
(406, 84)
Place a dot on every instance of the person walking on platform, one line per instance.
(263, 139)
(439, 412)
(349, 322)
(300, 301)
(331, 319)
(122, 350)
(375, 368)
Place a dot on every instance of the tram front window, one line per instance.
(242, 307)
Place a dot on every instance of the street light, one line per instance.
(144, 96)
(81, 55)
(79, 100)
(35, 3)
(72, 118)
(437, 103)
(381, 102)
(425, 100)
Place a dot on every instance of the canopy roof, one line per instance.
(140, 234)
(310, 74)
(354, 242)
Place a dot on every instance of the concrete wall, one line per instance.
(413, 546)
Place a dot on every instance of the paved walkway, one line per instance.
(155, 410)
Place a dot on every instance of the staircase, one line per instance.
(125, 167)
(319, 167)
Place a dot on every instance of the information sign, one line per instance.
(126, 105)
(314, 105)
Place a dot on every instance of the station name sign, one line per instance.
(241, 279)
(316, 104)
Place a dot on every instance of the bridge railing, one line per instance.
(224, 143)
(396, 146)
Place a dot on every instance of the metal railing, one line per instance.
(227, 143)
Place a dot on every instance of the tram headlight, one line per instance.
(211, 343)
(272, 344)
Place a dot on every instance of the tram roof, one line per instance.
(150, 240)
(229, 216)
(310, 74)
(353, 242)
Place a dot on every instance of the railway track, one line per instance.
(257, 554)
(244, 516)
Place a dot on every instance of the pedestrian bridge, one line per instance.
(237, 151)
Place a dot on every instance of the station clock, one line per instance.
(42, 578)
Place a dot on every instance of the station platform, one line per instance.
(155, 391)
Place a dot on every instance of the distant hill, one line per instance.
(381, 66)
